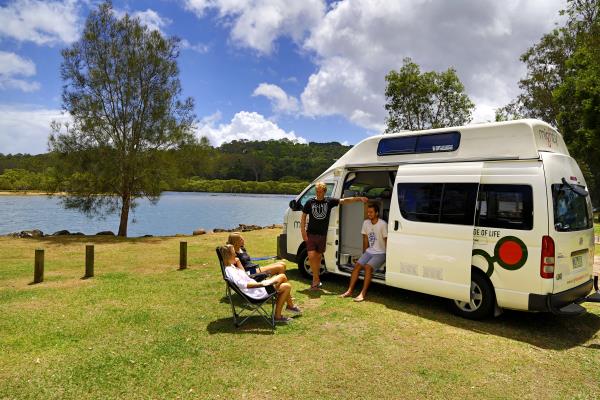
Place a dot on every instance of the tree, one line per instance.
(416, 100)
(121, 88)
(562, 85)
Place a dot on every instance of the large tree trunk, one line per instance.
(126, 203)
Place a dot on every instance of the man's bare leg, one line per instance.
(314, 259)
(353, 280)
(367, 282)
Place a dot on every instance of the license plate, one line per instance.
(577, 262)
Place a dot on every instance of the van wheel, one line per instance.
(482, 300)
(304, 265)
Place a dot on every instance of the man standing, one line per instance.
(319, 209)
(374, 232)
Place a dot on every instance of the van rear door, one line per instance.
(571, 222)
(430, 229)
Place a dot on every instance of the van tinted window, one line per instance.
(446, 203)
(400, 145)
(571, 211)
(312, 191)
(505, 206)
(438, 142)
(458, 203)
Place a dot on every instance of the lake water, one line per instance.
(176, 212)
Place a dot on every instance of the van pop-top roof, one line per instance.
(513, 140)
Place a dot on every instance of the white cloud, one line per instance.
(258, 23)
(41, 22)
(244, 125)
(360, 41)
(150, 18)
(280, 101)
(200, 48)
(13, 66)
(25, 128)
(355, 43)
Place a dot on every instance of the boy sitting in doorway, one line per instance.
(374, 232)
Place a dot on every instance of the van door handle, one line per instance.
(395, 225)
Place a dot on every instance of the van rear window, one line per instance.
(434, 143)
(572, 212)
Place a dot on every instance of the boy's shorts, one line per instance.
(316, 243)
(374, 260)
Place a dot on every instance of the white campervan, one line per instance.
(490, 216)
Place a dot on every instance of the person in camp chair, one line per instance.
(237, 240)
(374, 232)
(259, 290)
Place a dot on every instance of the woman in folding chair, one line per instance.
(237, 241)
(259, 290)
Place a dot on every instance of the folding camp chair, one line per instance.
(254, 306)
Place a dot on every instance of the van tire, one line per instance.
(304, 266)
(482, 301)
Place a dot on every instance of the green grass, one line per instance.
(142, 329)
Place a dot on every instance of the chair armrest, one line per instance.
(261, 276)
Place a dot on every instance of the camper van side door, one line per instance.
(430, 238)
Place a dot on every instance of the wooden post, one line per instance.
(38, 266)
(182, 255)
(89, 261)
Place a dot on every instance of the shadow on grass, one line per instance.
(254, 325)
(543, 330)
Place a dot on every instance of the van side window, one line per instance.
(446, 203)
(311, 192)
(505, 206)
(420, 201)
(458, 204)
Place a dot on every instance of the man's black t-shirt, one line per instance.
(318, 213)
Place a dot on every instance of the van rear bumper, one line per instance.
(555, 301)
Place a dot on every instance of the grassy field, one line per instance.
(141, 329)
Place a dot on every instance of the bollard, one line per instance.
(38, 267)
(89, 261)
(182, 255)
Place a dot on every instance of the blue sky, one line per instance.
(306, 70)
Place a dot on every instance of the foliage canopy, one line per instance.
(562, 85)
(416, 100)
(121, 88)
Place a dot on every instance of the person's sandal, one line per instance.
(283, 320)
(316, 287)
(295, 310)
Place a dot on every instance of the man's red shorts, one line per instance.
(316, 243)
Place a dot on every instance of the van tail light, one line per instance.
(547, 261)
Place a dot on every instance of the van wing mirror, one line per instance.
(578, 190)
(295, 205)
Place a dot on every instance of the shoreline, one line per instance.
(29, 193)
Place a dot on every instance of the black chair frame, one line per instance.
(253, 306)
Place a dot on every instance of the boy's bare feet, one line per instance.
(346, 294)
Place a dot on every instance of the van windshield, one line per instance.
(572, 212)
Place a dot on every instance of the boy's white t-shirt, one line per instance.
(376, 233)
